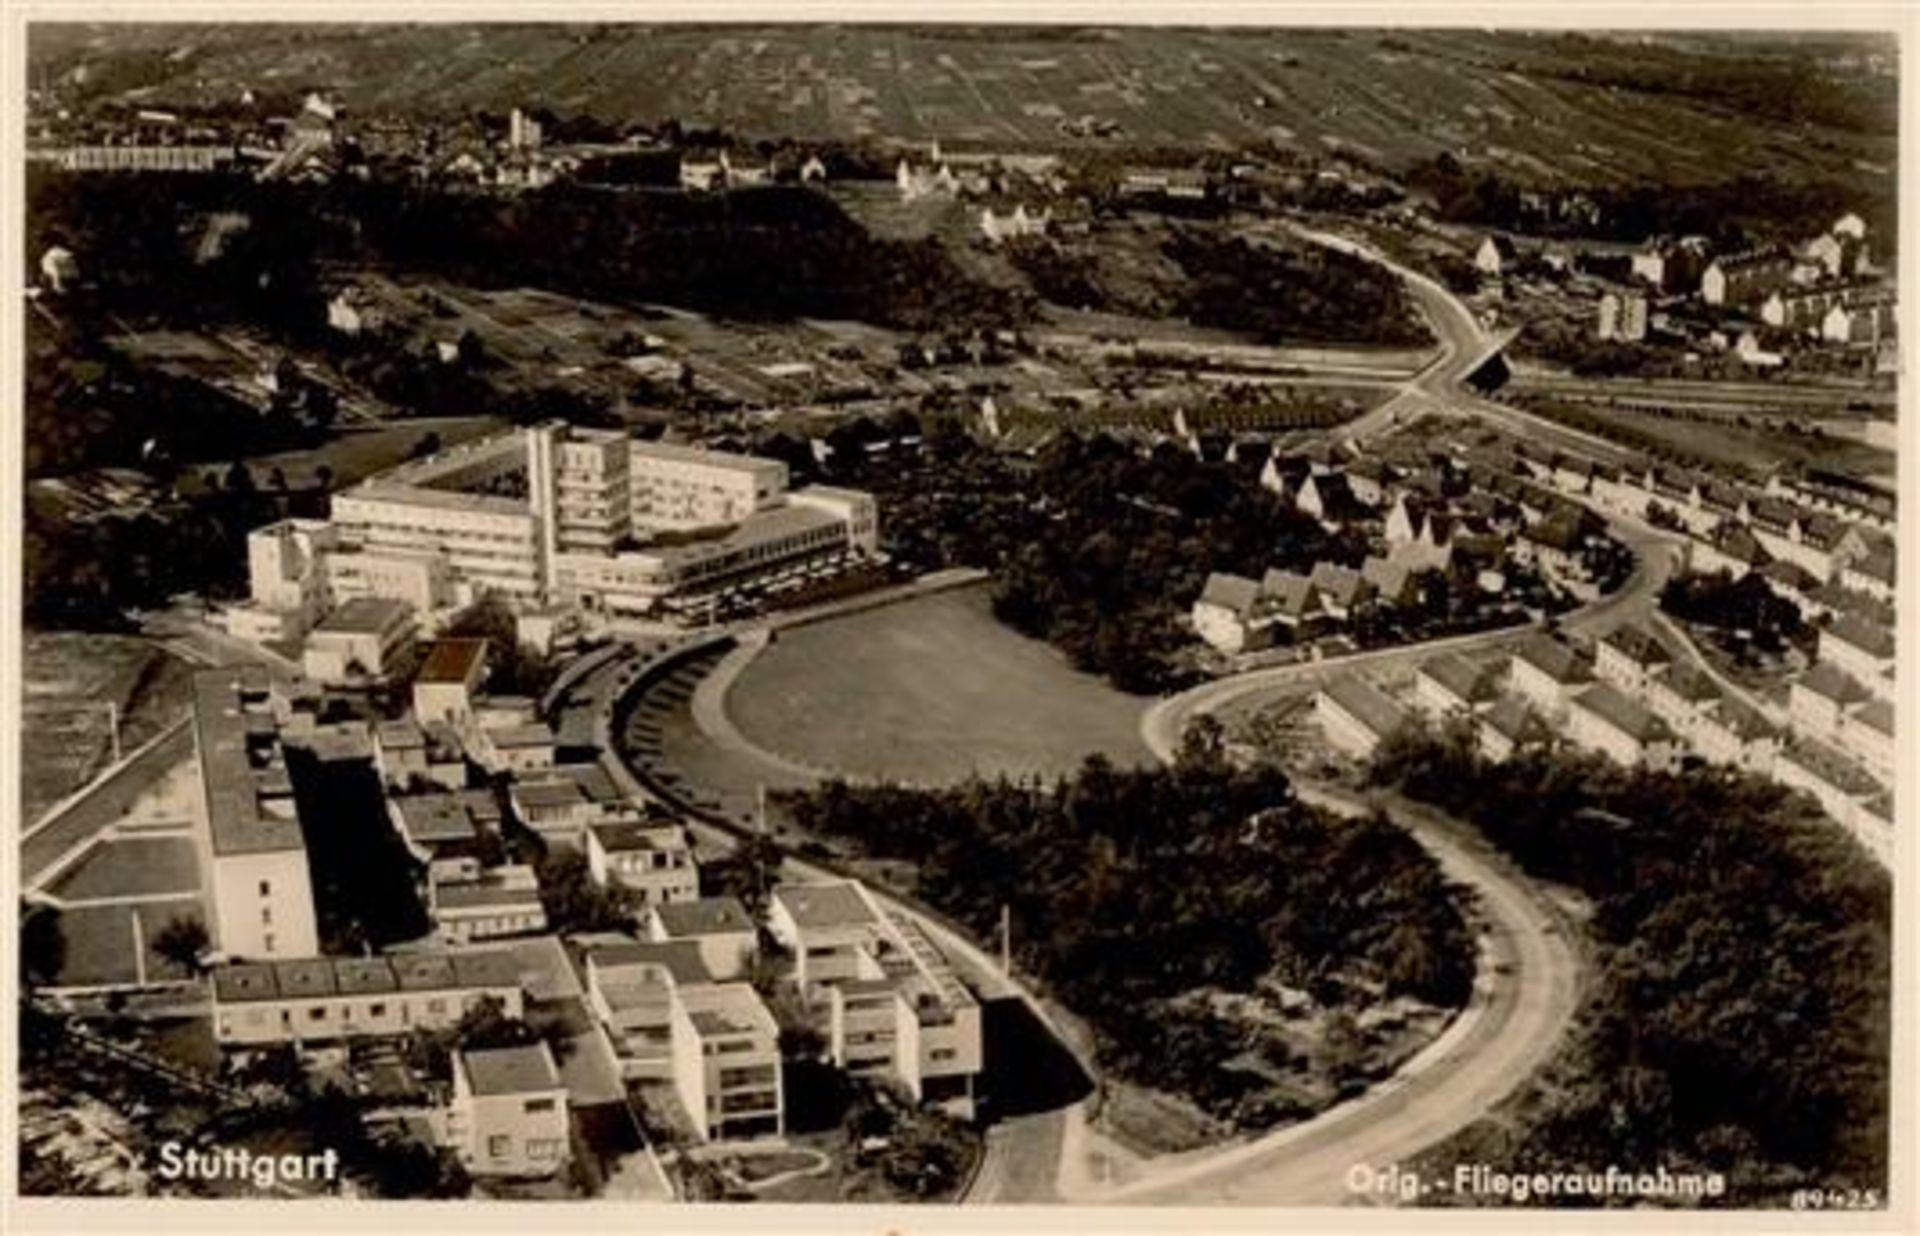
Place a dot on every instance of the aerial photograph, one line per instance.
(780, 613)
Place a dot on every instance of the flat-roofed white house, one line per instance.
(894, 1005)
(630, 989)
(652, 857)
(719, 927)
(727, 1062)
(561, 802)
(1355, 716)
(508, 1114)
(1603, 719)
(361, 641)
(498, 901)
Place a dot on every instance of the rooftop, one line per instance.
(634, 836)
(324, 976)
(1869, 637)
(1461, 677)
(229, 761)
(1365, 703)
(678, 958)
(704, 917)
(1516, 720)
(1556, 660)
(1637, 645)
(365, 616)
(677, 452)
(444, 817)
(1623, 714)
(728, 1009)
(453, 661)
(510, 1070)
(837, 904)
(1831, 682)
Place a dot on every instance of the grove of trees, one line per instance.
(1739, 1016)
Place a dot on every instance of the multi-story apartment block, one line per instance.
(561, 803)
(508, 1114)
(1510, 728)
(327, 999)
(681, 487)
(247, 826)
(1729, 732)
(726, 1061)
(1681, 695)
(895, 1007)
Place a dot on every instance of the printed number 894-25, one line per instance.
(1835, 1199)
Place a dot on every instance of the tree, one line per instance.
(43, 944)
(182, 941)
(1203, 744)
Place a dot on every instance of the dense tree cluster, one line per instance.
(1747, 605)
(1739, 1018)
(1097, 548)
(1129, 890)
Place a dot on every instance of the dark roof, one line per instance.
(704, 917)
(1637, 645)
(1514, 718)
(679, 958)
(1743, 722)
(1461, 678)
(1342, 585)
(1831, 767)
(1553, 658)
(510, 1070)
(1365, 703)
(1623, 714)
(1235, 593)
(325, 976)
(1288, 593)
(1871, 638)
(452, 660)
(1830, 681)
(1877, 715)
(1688, 682)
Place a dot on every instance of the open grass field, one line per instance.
(1540, 105)
(68, 678)
(930, 690)
(100, 941)
(131, 867)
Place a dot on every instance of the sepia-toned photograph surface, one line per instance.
(776, 613)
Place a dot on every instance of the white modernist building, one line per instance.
(558, 516)
(249, 832)
(895, 1008)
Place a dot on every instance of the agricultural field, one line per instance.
(928, 691)
(70, 677)
(1546, 106)
(1731, 442)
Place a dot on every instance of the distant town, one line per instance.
(676, 659)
